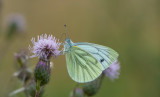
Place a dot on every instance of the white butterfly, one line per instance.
(86, 61)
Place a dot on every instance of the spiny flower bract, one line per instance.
(92, 88)
(45, 47)
(42, 72)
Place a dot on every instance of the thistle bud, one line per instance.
(77, 92)
(42, 72)
(91, 88)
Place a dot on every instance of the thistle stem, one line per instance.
(37, 93)
(37, 88)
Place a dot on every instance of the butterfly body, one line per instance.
(68, 45)
(86, 61)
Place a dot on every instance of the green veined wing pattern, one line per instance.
(105, 55)
(82, 66)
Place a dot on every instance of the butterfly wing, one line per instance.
(105, 55)
(82, 66)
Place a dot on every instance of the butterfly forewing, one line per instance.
(105, 55)
(82, 66)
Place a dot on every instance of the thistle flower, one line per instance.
(42, 72)
(113, 70)
(45, 47)
(15, 23)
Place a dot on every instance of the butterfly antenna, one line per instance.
(62, 36)
(67, 33)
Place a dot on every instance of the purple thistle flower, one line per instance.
(113, 70)
(45, 47)
(18, 20)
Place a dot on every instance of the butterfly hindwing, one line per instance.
(105, 55)
(82, 66)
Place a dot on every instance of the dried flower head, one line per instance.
(45, 47)
(113, 70)
(22, 58)
(24, 74)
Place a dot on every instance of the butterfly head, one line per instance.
(69, 42)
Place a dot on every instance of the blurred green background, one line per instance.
(131, 27)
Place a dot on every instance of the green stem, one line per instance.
(37, 88)
(85, 95)
(48, 63)
(25, 87)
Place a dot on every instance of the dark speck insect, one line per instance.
(101, 60)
